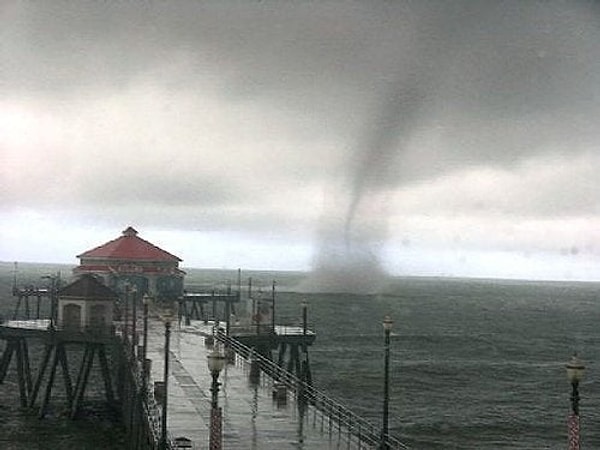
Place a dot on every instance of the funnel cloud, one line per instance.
(348, 258)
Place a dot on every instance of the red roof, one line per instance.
(125, 268)
(129, 247)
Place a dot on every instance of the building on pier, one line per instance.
(86, 304)
(131, 260)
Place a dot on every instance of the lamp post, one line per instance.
(273, 308)
(163, 430)
(387, 328)
(54, 285)
(126, 317)
(304, 320)
(145, 367)
(216, 362)
(133, 320)
(257, 306)
(575, 369)
(304, 370)
(145, 302)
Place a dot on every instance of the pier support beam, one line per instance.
(54, 355)
(293, 360)
(17, 346)
(84, 372)
(57, 352)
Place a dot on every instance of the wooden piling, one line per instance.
(40, 376)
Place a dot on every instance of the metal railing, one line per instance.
(33, 324)
(151, 408)
(337, 414)
(152, 411)
(266, 329)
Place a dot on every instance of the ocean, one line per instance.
(475, 364)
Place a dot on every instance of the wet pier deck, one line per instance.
(251, 417)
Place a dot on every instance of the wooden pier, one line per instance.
(160, 386)
(55, 341)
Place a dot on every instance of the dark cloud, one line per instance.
(161, 190)
(203, 108)
(485, 59)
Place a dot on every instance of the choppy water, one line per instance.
(475, 364)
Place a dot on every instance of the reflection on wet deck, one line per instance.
(251, 417)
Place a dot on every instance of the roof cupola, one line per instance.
(130, 232)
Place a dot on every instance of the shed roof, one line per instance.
(87, 286)
(129, 246)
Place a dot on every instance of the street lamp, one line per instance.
(144, 360)
(257, 308)
(126, 316)
(163, 437)
(387, 328)
(133, 320)
(575, 370)
(145, 302)
(216, 362)
(273, 308)
(145, 367)
(304, 320)
(305, 370)
(54, 285)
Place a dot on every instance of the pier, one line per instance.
(265, 402)
(180, 366)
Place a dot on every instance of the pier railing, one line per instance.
(338, 416)
(142, 412)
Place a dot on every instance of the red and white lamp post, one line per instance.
(216, 362)
(575, 369)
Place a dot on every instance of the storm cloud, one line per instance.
(375, 123)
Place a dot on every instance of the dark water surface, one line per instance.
(475, 364)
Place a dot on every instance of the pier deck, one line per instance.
(251, 418)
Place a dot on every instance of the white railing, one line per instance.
(34, 324)
(365, 432)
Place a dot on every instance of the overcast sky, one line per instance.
(440, 138)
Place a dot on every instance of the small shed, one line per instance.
(86, 305)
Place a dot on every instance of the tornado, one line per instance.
(348, 253)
